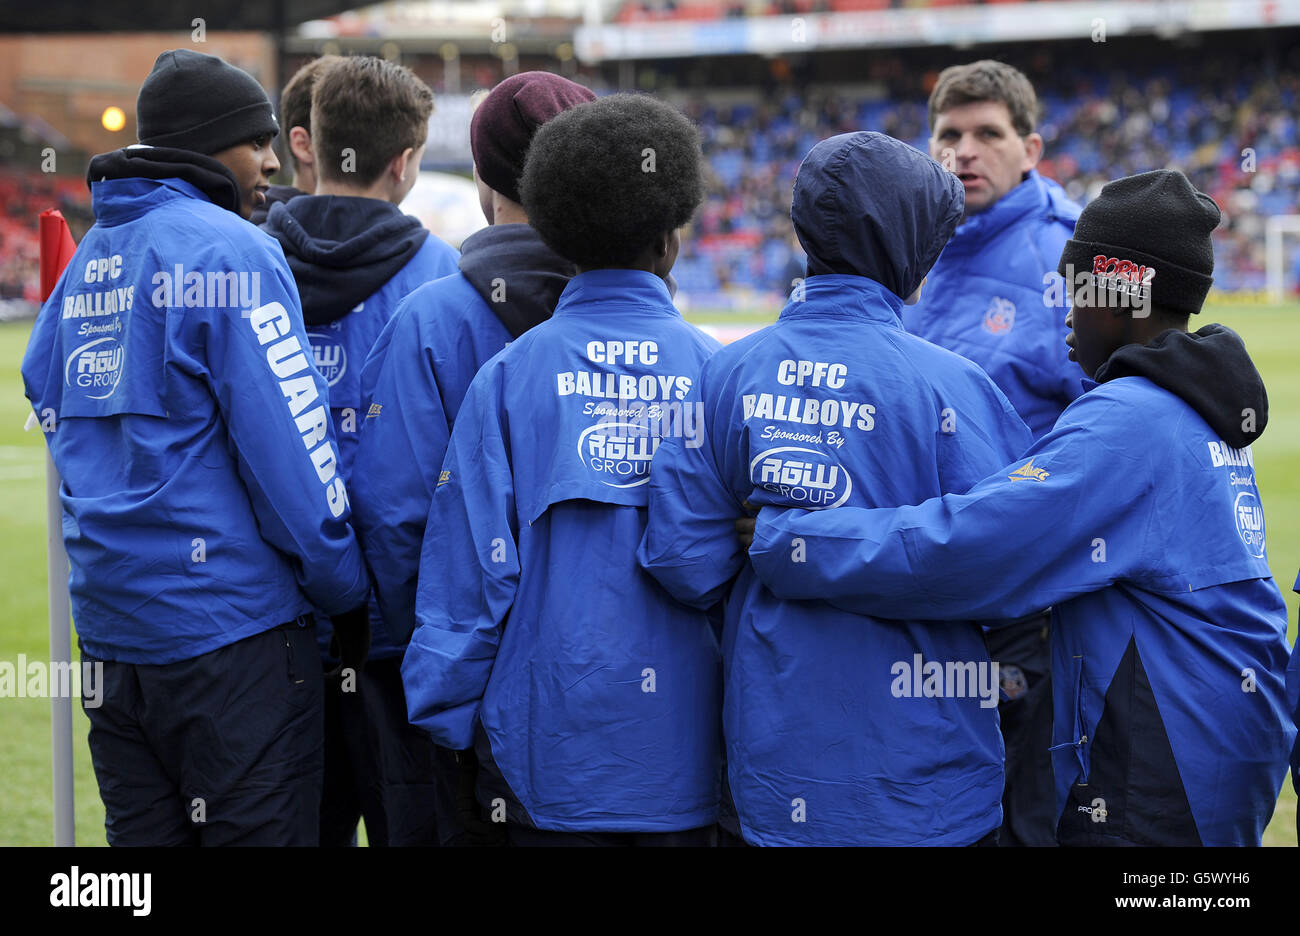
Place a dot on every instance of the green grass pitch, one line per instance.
(1272, 333)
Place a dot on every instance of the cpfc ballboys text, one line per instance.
(645, 409)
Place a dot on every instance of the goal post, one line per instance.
(1274, 255)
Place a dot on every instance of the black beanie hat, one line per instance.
(503, 125)
(1146, 236)
(199, 102)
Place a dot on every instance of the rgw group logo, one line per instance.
(95, 366)
(803, 476)
(330, 356)
(1250, 522)
(619, 452)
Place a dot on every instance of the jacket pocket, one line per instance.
(1079, 740)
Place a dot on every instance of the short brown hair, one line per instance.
(373, 108)
(295, 99)
(986, 80)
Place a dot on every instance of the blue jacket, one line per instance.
(414, 382)
(837, 405)
(597, 693)
(354, 260)
(879, 418)
(203, 501)
(1142, 527)
(1293, 702)
(985, 299)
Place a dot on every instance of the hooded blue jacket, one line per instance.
(1141, 525)
(201, 491)
(414, 382)
(987, 299)
(597, 693)
(354, 259)
(836, 405)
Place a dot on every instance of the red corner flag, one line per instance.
(57, 248)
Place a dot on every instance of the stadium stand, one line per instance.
(1227, 120)
(24, 195)
(649, 11)
(1235, 137)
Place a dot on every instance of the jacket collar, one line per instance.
(593, 290)
(117, 201)
(844, 294)
(1026, 198)
(203, 174)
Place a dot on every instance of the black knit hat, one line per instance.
(1146, 237)
(199, 102)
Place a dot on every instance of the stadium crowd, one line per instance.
(643, 11)
(1235, 136)
(1231, 128)
(25, 195)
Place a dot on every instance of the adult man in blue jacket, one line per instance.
(422, 363)
(204, 511)
(594, 710)
(355, 256)
(837, 404)
(985, 300)
(1137, 518)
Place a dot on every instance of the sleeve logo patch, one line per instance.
(443, 478)
(1027, 472)
(375, 410)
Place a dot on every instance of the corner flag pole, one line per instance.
(65, 831)
(57, 247)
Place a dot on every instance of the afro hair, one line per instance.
(604, 179)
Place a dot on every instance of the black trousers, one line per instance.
(1022, 651)
(221, 749)
(381, 768)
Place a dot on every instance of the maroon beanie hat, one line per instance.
(503, 125)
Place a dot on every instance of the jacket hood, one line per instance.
(342, 249)
(869, 205)
(510, 264)
(139, 161)
(274, 196)
(1209, 369)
